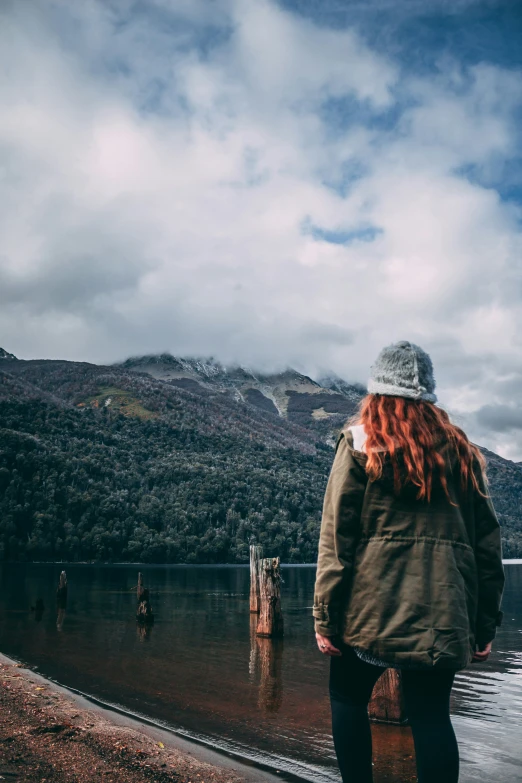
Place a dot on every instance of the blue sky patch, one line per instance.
(341, 236)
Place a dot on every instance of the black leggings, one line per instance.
(427, 699)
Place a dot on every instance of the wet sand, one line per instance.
(51, 735)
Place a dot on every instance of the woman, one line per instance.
(410, 565)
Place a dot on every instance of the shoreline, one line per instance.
(50, 732)
(137, 565)
(505, 561)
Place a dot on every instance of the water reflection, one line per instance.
(253, 661)
(60, 617)
(62, 591)
(61, 600)
(265, 668)
(143, 631)
(393, 754)
(271, 669)
(38, 610)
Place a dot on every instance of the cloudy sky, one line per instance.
(275, 183)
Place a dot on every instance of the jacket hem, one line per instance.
(421, 659)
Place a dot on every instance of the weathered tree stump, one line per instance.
(387, 702)
(256, 554)
(61, 592)
(270, 615)
(144, 613)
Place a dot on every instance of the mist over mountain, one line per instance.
(176, 459)
(288, 394)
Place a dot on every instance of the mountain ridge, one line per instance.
(111, 463)
(273, 392)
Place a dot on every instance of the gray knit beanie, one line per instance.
(403, 370)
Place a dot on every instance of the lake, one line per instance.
(201, 670)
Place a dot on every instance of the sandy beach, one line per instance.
(51, 735)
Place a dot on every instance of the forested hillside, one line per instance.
(104, 463)
(160, 474)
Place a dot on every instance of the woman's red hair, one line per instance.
(409, 432)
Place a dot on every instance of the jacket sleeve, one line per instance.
(491, 577)
(340, 526)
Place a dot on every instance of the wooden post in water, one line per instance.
(387, 702)
(61, 592)
(256, 553)
(61, 600)
(270, 614)
(140, 588)
(144, 613)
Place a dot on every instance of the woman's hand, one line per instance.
(482, 655)
(325, 645)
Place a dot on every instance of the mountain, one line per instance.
(288, 394)
(106, 463)
(354, 391)
(165, 459)
(5, 355)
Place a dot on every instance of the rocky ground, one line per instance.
(45, 737)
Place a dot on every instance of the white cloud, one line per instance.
(158, 171)
(291, 62)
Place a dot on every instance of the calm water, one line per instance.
(201, 669)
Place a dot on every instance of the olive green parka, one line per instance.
(409, 581)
